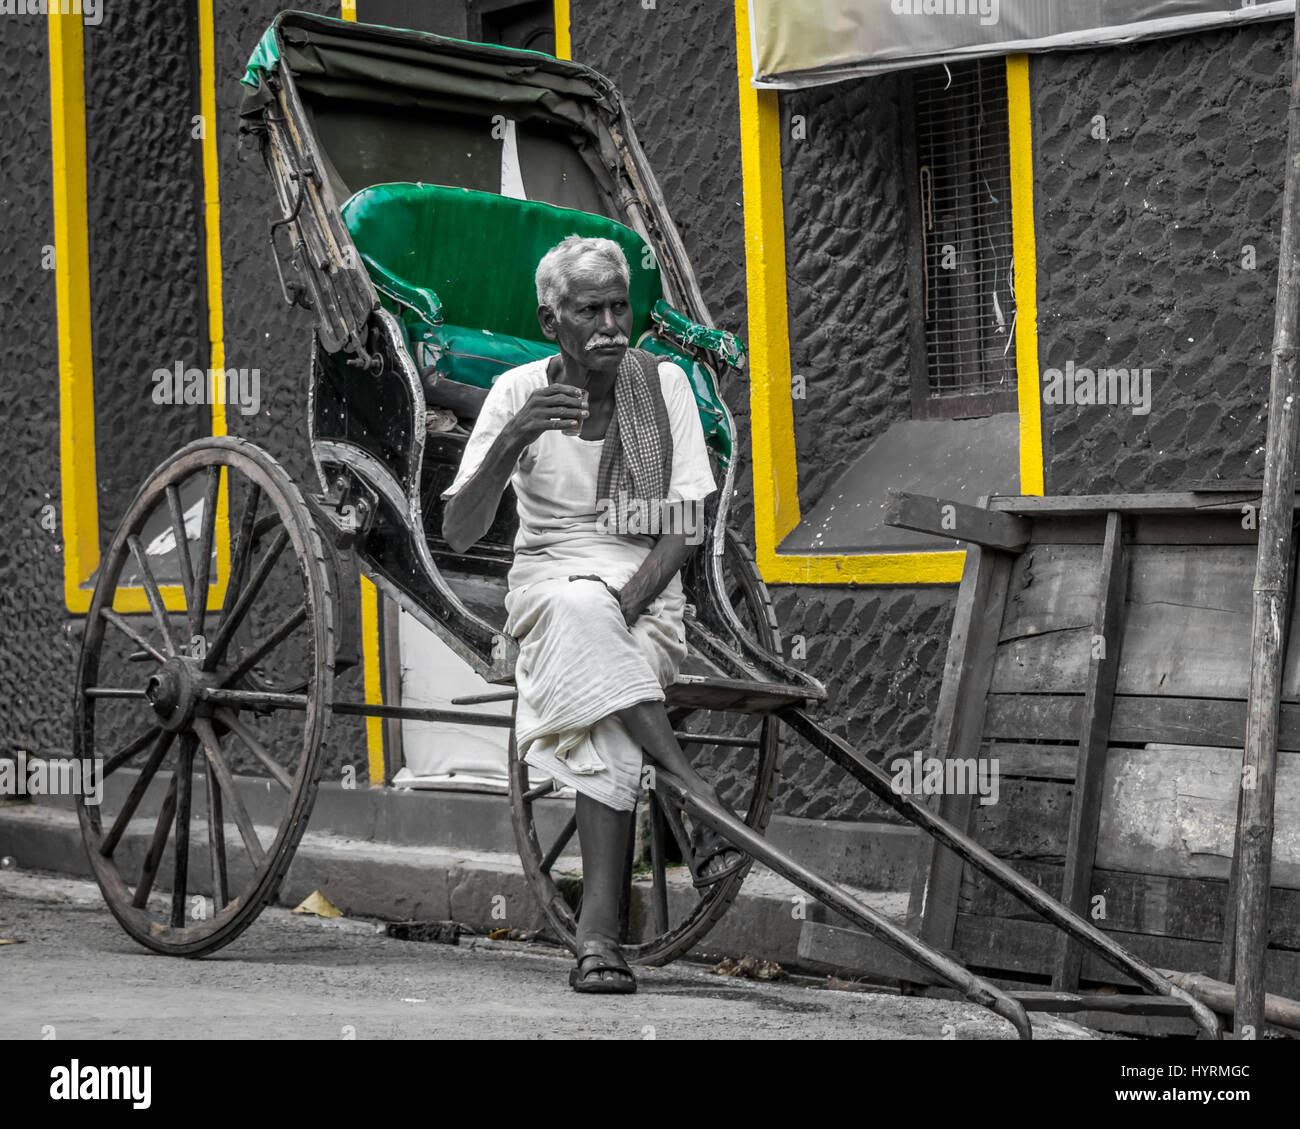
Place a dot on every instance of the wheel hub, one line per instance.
(173, 691)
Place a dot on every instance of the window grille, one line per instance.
(963, 181)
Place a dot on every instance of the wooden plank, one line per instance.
(1052, 588)
(956, 520)
(1029, 948)
(1161, 905)
(1066, 1003)
(1189, 721)
(1166, 809)
(1030, 820)
(1035, 762)
(959, 719)
(1094, 732)
(1171, 810)
(1225, 528)
(1186, 632)
(1071, 505)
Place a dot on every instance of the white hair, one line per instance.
(577, 258)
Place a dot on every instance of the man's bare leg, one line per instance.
(603, 834)
(648, 725)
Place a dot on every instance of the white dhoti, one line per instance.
(579, 663)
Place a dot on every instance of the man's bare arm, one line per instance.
(661, 564)
(469, 512)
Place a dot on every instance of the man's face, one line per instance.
(593, 324)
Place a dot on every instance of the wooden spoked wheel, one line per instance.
(177, 698)
(668, 915)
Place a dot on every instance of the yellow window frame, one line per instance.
(775, 466)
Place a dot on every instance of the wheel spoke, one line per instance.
(109, 843)
(112, 692)
(658, 867)
(183, 560)
(160, 832)
(132, 634)
(267, 645)
(152, 594)
(673, 820)
(540, 791)
(206, 534)
(216, 839)
(184, 790)
(244, 545)
(118, 759)
(563, 841)
(231, 620)
(254, 746)
(212, 750)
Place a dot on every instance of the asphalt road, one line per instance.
(74, 974)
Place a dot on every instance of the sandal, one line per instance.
(707, 844)
(597, 955)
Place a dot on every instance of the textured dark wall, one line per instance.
(144, 197)
(846, 268)
(36, 654)
(1140, 245)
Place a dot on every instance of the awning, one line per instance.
(797, 43)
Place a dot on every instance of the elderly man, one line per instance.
(587, 438)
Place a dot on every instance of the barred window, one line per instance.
(961, 208)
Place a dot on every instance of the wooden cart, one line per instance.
(1099, 666)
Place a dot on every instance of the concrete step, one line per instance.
(866, 855)
(390, 881)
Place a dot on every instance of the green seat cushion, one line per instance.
(468, 257)
(470, 356)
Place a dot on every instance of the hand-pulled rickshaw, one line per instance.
(419, 179)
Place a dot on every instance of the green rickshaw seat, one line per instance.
(457, 267)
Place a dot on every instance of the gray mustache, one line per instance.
(600, 340)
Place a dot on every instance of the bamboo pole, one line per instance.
(1254, 846)
(1221, 998)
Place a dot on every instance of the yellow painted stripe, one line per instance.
(374, 691)
(563, 38)
(776, 494)
(373, 683)
(1026, 265)
(212, 258)
(79, 519)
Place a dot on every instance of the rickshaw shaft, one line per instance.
(841, 901)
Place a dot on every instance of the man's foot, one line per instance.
(714, 858)
(601, 969)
